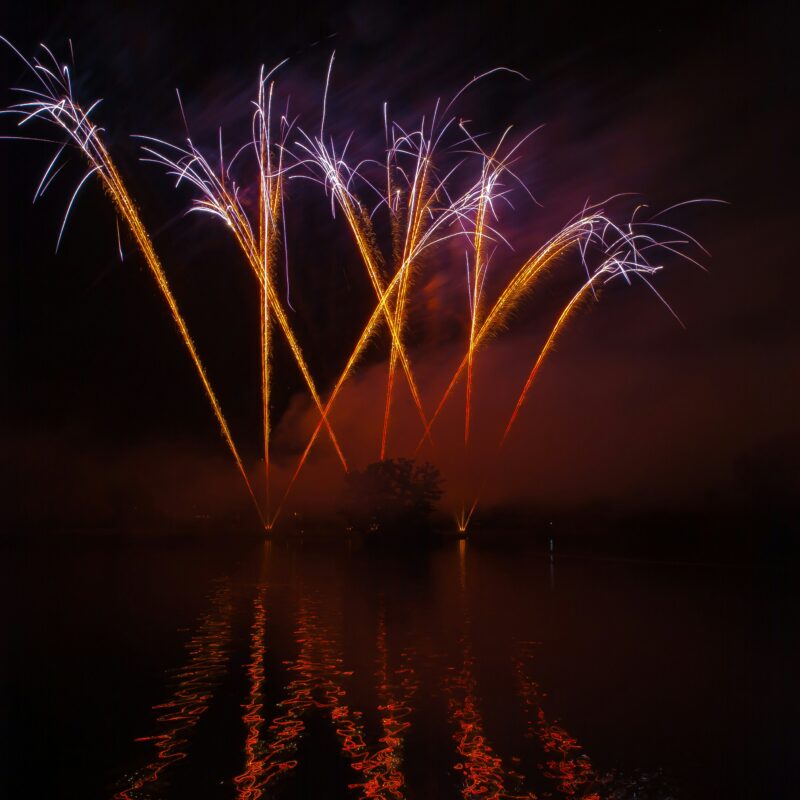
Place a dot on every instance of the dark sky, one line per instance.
(101, 407)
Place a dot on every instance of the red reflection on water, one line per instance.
(381, 768)
(208, 658)
(319, 684)
(246, 783)
(285, 729)
(484, 775)
(316, 684)
(571, 769)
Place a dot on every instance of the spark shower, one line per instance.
(440, 188)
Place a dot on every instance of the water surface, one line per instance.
(185, 669)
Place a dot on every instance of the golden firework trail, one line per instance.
(433, 217)
(53, 102)
(419, 204)
(337, 178)
(623, 257)
(363, 340)
(220, 196)
(479, 270)
(269, 206)
(514, 291)
(358, 222)
(422, 213)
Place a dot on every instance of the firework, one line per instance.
(419, 191)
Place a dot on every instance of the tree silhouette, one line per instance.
(392, 495)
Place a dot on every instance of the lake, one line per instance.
(237, 668)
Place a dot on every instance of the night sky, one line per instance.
(102, 410)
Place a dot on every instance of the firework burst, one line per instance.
(437, 183)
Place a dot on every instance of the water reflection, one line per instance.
(366, 690)
(194, 686)
(247, 782)
(484, 774)
(281, 737)
(381, 765)
(318, 684)
(566, 764)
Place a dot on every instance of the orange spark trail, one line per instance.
(241, 231)
(265, 353)
(220, 198)
(477, 281)
(413, 228)
(267, 207)
(270, 197)
(55, 104)
(377, 283)
(562, 318)
(366, 335)
(512, 293)
(565, 314)
(359, 227)
(122, 200)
